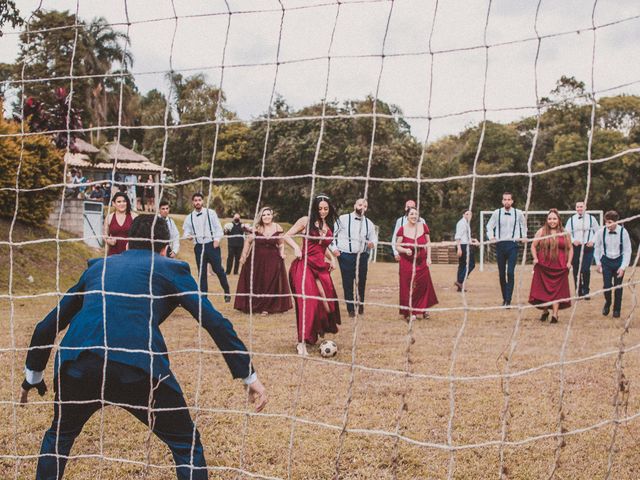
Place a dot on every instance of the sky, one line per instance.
(430, 62)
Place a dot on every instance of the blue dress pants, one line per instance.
(206, 254)
(507, 256)
(81, 382)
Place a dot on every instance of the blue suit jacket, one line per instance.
(127, 328)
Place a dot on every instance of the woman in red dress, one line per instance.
(315, 296)
(118, 223)
(416, 288)
(263, 285)
(552, 253)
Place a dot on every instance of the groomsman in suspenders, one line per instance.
(582, 227)
(354, 236)
(203, 226)
(507, 226)
(174, 235)
(613, 255)
(465, 249)
(400, 222)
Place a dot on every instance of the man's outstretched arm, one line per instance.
(43, 337)
(221, 331)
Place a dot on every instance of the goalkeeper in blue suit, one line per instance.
(114, 352)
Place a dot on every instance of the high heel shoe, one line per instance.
(544, 316)
(554, 319)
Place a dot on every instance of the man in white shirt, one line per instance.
(203, 226)
(130, 182)
(582, 227)
(613, 255)
(465, 249)
(174, 234)
(506, 227)
(354, 236)
(400, 222)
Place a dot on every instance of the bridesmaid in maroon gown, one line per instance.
(262, 262)
(551, 263)
(416, 288)
(316, 300)
(118, 223)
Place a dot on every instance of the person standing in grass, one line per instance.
(114, 352)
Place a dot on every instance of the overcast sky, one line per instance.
(458, 69)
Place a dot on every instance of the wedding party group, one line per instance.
(346, 242)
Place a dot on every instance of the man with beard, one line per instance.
(355, 235)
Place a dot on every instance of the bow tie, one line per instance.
(356, 218)
(507, 213)
(579, 217)
(613, 233)
(198, 214)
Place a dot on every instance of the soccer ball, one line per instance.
(328, 348)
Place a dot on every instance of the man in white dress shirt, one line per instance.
(174, 234)
(613, 255)
(130, 182)
(582, 227)
(465, 249)
(506, 227)
(354, 236)
(400, 222)
(203, 226)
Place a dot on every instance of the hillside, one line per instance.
(35, 259)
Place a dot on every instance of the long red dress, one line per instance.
(423, 294)
(121, 232)
(312, 318)
(550, 280)
(269, 279)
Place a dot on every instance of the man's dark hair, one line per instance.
(163, 203)
(149, 227)
(612, 215)
(197, 194)
(507, 193)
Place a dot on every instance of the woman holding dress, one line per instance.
(552, 252)
(416, 288)
(118, 223)
(316, 301)
(263, 285)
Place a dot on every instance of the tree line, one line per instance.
(548, 152)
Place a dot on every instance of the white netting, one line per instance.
(479, 390)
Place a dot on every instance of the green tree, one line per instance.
(40, 165)
(46, 50)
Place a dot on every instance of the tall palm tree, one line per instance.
(107, 51)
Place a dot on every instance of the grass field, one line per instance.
(389, 386)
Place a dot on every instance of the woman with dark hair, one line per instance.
(263, 285)
(552, 253)
(118, 223)
(416, 288)
(315, 295)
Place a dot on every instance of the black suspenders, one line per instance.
(194, 226)
(604, 240)
(515, 223)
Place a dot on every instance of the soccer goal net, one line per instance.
(224, 108)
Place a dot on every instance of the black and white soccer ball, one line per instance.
(328, 348)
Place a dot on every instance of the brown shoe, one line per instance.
(458, 285)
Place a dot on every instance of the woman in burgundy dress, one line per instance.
(118, 223)
(264, 266)
(416, 288)
(552, 253)
(315, 296)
